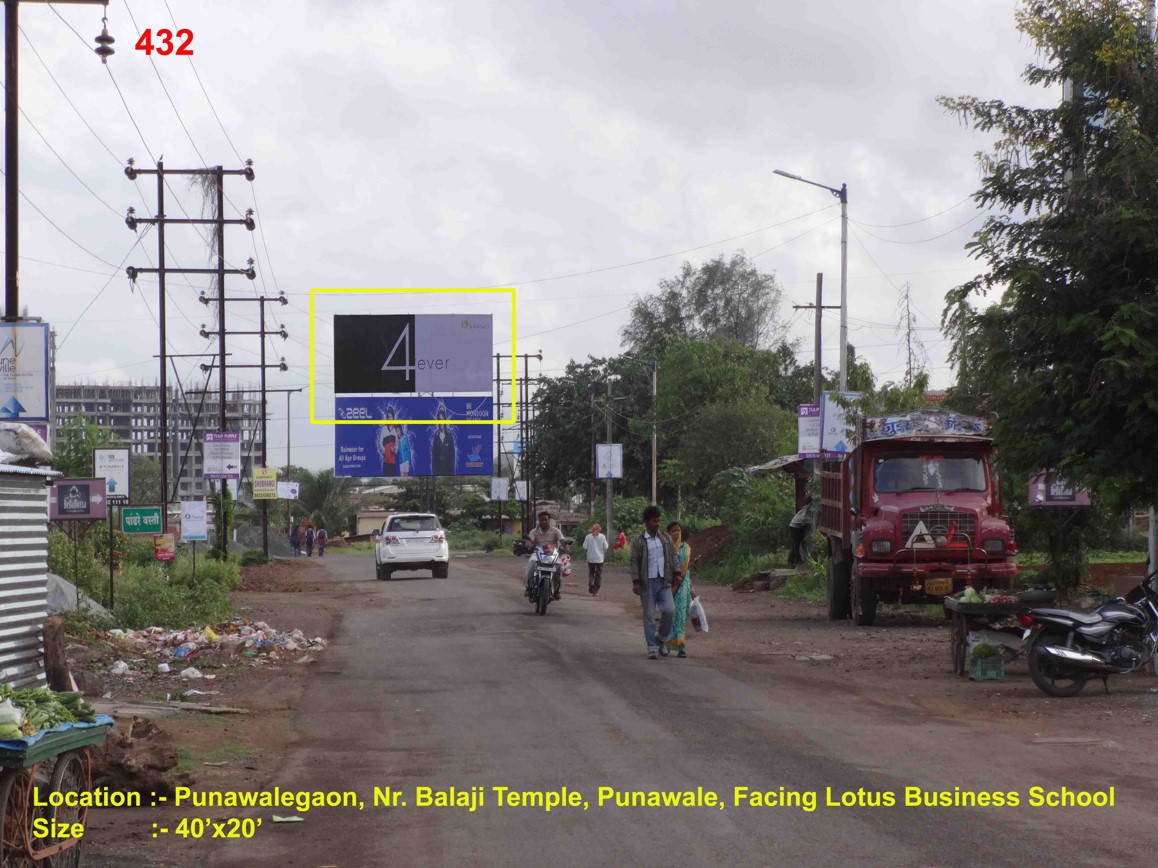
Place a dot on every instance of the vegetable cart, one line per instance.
(51, 761)
(970, 616)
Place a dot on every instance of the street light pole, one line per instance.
(840, 193)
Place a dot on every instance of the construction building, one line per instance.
(132, 412)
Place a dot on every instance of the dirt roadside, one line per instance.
(899, 668)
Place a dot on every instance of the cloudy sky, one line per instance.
(544, 145)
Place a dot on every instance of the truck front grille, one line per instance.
(938, 521)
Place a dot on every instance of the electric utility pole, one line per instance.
(133, 272)
(817, 375)
(104, 50)
(287, 393)
(262, 332)
(654, 448)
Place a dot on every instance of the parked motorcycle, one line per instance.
(547, 563)
(1065, 649)
(519, 548)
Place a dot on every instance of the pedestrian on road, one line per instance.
(595, 545)
(620, 541)
(654, 572)
(798, 530)
(310, 541)
(321, 539)
(296, 541)
(683, 593)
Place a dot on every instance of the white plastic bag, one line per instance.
(10, 715)
(696, 613)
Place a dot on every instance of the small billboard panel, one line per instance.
(609, 460)
(265, 483)
(288, 490)
(194, 521)
(405, 353)
(808, 431)
(222, 455)
(113, 465)
(24, 371)
(77, 500)
(395, 449)
(837, 434)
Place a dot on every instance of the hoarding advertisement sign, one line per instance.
(404, 353)
(265, 483)
(222, 455)
(77, 500)
(113, 465)
(165, 547)
(141, 519)
(24, 371)
(396, 449)
(520, 489)
(194, 521)
(500, 487)
(609, 460)
(808, 431)
(837, 436)
(288, 490)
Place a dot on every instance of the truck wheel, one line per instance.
(864, 601)
(837, 591)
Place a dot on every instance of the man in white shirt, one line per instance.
(595, 544)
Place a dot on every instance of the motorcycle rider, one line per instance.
(542, 535)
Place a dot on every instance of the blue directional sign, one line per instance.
(24, 371)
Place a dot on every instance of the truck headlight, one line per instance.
(993, 545)
(882, 546)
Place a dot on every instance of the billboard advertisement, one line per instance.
(194, 521)
(222, 456)
(265, 483)
(837, 432)
(113, 465)
(808, 431)
(404, 353)
(395, 449)
(24, 371)
(77, 499)
(609, 460)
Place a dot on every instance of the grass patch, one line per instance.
(86, 626)
(735, 567)
(150, 598)
(1093, 556)
(351, 547)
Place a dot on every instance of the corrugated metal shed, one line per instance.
(23, 573)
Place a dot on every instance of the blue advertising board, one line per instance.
(395, 449)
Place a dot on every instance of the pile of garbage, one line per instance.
(256, 641)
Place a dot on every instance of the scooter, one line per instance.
(1066, 649)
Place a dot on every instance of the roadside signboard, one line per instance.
(222, 455)
(142, 519)
(500, 487)
(1050, 489)
(288, 490)
(405, 354)
(394, 448)
(520, 489)
(77, 500)
(808, 431)
(113, 465)
(837, 436)
(194, 521)
(24, 371)
(164, 547)
(609, 460)
(265, 483)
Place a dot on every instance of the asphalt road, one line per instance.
(456, 683)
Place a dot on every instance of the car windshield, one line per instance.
(419, 523)
(897, 474)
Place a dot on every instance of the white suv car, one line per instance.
(411, 541)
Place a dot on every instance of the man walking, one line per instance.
(321, 538)
(654, 575)
(595, 545)
(798, 530)
(310, 541)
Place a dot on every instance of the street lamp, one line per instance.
(840, 193)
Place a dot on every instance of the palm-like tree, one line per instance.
(325, 499)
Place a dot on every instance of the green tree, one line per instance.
(144, 479)
(326, 499)
(1072, 250)
(77, 438)
(737, 432)
(722, 299)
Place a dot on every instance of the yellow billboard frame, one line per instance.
(359, 290)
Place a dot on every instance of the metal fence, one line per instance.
(23, 574)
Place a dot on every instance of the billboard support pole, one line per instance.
(110, 513)
(610, 481)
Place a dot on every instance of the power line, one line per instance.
(794, 237)
(913, 222)
(117, 273)
(925, 240)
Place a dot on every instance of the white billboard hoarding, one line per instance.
(808, 431)
(609, 460)
(113, 465)
(194, 521)
(24, 371)
(222, 455)
(500, 487)
(288, 490)
(837, 431)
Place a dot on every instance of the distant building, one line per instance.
(132, 412)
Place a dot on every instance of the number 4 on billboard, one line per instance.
(407, 369)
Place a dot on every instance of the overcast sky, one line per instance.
(407, 144)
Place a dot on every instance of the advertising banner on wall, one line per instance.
(396, 449)
(404, 353)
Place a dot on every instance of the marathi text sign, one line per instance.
(142, 520)
(395, 449)
(77, 500)
(404, 353)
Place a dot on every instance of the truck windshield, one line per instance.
(897, 474)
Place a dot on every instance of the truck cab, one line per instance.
(913, 514)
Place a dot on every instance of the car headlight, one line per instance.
(993, 545)
(882, 546)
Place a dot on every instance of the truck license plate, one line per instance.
(938, 587)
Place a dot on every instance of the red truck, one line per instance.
(913, 514)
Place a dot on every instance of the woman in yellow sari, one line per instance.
(683, 595)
